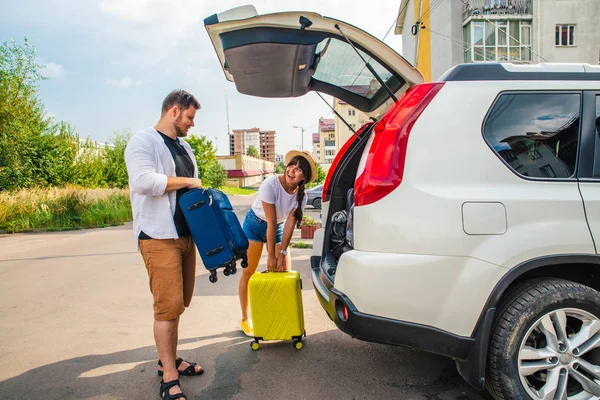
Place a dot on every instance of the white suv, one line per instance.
(462, 221)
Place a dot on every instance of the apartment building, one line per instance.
(316, 145)
(264, 141)
(354, 117)
(327, 142)
(520, 31)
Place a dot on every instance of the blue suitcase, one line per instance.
(216, 230)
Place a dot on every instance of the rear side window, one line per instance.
(536, 134)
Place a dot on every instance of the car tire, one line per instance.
(539, 339)
(317, 202)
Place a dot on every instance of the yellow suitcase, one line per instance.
(276, 307)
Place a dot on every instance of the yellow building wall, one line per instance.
(424, 52)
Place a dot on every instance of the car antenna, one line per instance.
(342, 118)
(369, 67)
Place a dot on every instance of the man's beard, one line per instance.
(178, 130)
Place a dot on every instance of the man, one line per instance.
(161, 167)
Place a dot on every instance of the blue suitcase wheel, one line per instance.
(213, 277)
(226, 271)
(244, 262)
(233, 270)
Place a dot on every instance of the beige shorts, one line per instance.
(171, 265)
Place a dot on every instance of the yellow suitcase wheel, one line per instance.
(297, 344)
(254, 345)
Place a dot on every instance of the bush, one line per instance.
(308, 221)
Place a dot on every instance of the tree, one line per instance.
(215, 176)
(114, 162)
(321, 175)
(280, 167)
(34, 151)
(89, 169)
(204, 152)
(253, 152)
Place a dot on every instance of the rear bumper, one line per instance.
(466, 351)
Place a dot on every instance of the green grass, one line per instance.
(56, 209)
(59, 209)
(301, 245)
(236, 191)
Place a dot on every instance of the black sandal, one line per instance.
(166, 386)
(189, 371)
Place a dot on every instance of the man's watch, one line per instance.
(283, 252)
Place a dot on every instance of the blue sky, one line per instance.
(111, 63)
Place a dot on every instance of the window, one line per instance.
(536, 134)
(351, 112)
(339, 65)
(565, 35)
(499, 40)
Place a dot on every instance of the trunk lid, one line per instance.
(289, 54)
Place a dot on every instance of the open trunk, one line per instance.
(338, 236)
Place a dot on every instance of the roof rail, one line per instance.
(519, 72)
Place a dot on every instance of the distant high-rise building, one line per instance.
(267, 145)
(264, 141)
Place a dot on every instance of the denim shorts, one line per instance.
(256, 229)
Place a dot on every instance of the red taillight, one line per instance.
(384, 167)
(340, 155)
(345, 312)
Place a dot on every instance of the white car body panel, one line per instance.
(412, 242)
(440, 291)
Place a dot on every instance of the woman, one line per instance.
(279, 203)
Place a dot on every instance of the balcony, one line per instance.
(478, 8)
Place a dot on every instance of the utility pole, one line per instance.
(302, 129)
(228, 129)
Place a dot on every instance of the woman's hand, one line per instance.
(271, 263)
(281, 263)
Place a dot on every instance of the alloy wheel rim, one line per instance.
(559, 357)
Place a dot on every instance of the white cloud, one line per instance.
(54, 71)
(123, 83)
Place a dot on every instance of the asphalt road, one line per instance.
(76, 318)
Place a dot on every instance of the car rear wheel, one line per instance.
(317, 202)
(546, 343)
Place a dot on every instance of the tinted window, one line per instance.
(598, 114)
(536, 134)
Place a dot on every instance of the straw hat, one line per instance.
(308, 156)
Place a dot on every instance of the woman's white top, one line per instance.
(272, 192)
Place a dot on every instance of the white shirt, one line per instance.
(272, 192)
(149, 163)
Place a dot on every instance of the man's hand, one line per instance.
(194, 183)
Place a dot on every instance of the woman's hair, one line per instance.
(304, 166)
